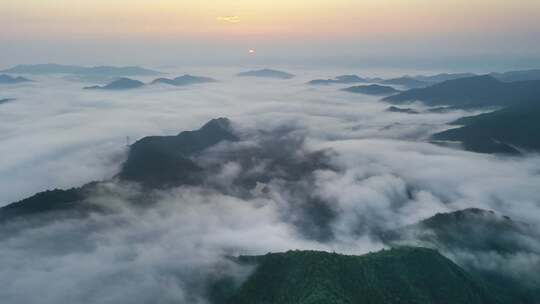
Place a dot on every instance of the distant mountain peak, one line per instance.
(342, 79)
(52, 68)
(480, 78)
(395, 109)
(373, 89)
(162, 161)
(471, 92)
(6, 100)
(512, 76)
(406, 81)
(471, 229)
(184, 80)
(7, 79)
(512, 130)
(467, 214)
(267, 73)
(218, 123)
(119, 84)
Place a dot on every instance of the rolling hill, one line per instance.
(403, 275)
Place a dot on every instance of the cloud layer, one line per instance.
(333, 169)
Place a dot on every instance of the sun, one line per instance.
(251, 51)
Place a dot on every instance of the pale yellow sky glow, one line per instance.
(312, 31)
(282, 18)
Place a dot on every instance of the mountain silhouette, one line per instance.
(467, 229)
(160, 161)
(517, 75)
(478, 91)
(6, 79)
(184, 80)
(155, 161)
(406, 81)
(373, 89)
(55, 203)
(482, 234)
(119, 84)
(509, 130)
(443, 77)
(267, 73)
(104, 71)
(343, 79)
(401, 110)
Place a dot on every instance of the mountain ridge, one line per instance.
(267, 73)
(52, 68)
(183, 80)
(478, 91)
(119, 84)
(511, 130)
(7, 79)
(399, 275)
(372, 89)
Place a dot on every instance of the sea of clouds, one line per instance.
(382, 173)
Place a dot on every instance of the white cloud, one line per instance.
(57, 135)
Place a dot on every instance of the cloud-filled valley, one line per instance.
(49, 112)
(311, 168)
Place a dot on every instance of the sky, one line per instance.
(449, 33)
